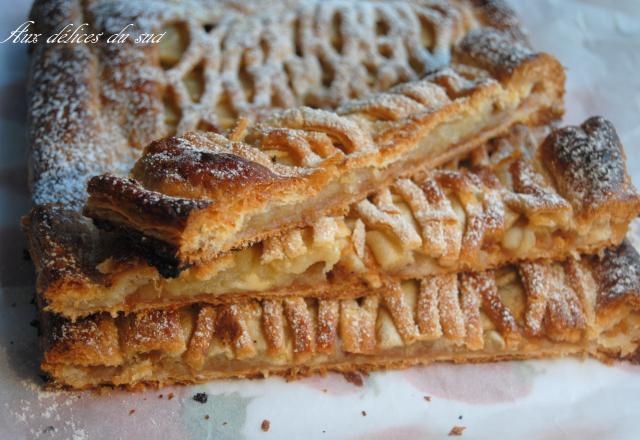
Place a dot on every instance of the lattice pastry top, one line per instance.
(506, 202)
(90, 104)
(587, 306)
(194, 197)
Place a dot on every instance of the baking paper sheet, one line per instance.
(599, 43)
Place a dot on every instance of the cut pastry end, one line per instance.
(580, 307)
(298, 165)
(508, 201)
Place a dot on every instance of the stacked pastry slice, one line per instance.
(444, 218)
(429, 268)
(196, 197)
(518, 197)
(581, 307)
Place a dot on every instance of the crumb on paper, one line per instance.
(160, 396)
(131, 411)
(364, 413)
(457, 430)
(170, 396)
(200, 397)
(354, 378)
(206, 417)
(224, 423)
(265, 425)
(427, 398)
(460, 417)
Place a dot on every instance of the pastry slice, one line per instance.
(521, 196)
(195, 197)
(589, 306)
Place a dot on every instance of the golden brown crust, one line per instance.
(60, 242)
(368, 147)
(534, 310)
(588, 164)
(504, 205)
(618, 274)
(92, 106)
(497, 14)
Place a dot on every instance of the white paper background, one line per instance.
(599, 43)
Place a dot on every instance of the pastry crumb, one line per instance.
(170, 396)
(364, 413)
(131, 411)
(265, 425)
(206, 417)
(354, 378)
(427, 398)
(200, 397)
(457, 430)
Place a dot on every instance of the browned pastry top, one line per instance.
(300, 163)
(591, 160)
(89, 104)
(618, 272)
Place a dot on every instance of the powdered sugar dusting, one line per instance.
(47, 414)
(618, 274)
(89, 106)
(587, 162)
(497, 51)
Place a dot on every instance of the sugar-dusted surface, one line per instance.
(598, 44)
(223, 59)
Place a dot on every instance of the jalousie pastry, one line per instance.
(530, 194)
(588, 306)
(93, 106)
(194, 197)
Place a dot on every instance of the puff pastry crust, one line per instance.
(341, 248)
(293, 167)
(93, 106)
(522, 196)
(580, 307)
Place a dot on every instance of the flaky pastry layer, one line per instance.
(92, 106)
(580, 307)
(520, 197)
(177, 205)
